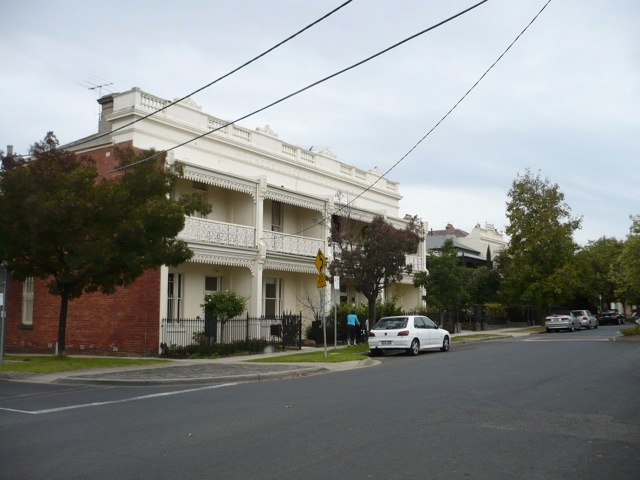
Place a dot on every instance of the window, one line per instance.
(174, 296)
(212, 284)
(272, 297)
(27, 301)
(276, 216)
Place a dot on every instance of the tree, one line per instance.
(375, 257)
(541, 248)
(629, 263)
(60, 221)
(446, 280)
(595, 265)
(223, 305)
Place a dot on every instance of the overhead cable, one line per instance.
(297, 92)
(217, 79)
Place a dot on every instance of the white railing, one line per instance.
(416, 262)
(282, 242)
(219, 233)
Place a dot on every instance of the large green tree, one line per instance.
(446, 281)
(595, 268)
(629, 265)
(374, 257)
(541, 249)
(81, 232)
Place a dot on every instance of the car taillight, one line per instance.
(371, 334)
(403, 333)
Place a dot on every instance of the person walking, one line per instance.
(352, 328)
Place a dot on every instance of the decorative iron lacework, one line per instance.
(355, 214)
(249, 189)
(218, 233)
(220, 260)
(294, 244)
(290, 267)
(315, 205)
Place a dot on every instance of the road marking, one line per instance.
(124, 400)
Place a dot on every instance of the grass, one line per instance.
(53, 364)
(358, 352)
(474, 336)
(635, 330)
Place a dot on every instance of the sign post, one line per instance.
(321, 262)
(336, 294)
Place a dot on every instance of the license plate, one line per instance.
(386, 342)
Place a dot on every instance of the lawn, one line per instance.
(344, 354)
(52, 364)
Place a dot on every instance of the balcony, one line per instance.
(217, 233)
(294, 244)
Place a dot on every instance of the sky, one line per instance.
(563, 102)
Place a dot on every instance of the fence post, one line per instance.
(246, 335)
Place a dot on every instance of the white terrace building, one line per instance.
(273, 204)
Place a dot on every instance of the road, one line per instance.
(548, 406)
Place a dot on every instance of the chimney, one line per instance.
(9, 150)
(107, 108)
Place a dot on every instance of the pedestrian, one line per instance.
(352, 328)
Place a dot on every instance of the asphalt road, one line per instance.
(549, 406)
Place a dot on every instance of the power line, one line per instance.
(297, 92)
(219, 78)
(454, 106)
(437, 123)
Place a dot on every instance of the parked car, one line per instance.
(561, 321)
(411, 333)
(587, 319)
(611, 316)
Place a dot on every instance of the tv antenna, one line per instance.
(97, 84)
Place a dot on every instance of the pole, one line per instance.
(324, 321)
(336, 293)
(3, 313)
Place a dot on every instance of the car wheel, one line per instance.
(573, 328)
(548, 330)
(446, 345)
(376, 352)
(596, 325)
(414, 349)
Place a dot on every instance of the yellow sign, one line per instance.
(321, 281)
(321, 262)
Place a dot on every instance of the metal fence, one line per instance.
(284, 331)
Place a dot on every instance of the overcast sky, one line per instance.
(564, 101)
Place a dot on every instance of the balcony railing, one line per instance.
(416, 262)
(283, 242)
(218, 233)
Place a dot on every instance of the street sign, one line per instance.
(321, 281)
(336, 283)
(321, 261)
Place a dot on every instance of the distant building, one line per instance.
(472, 246)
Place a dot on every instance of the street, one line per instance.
(547, 406)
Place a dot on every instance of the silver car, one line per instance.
(411, 333)
(561, 321)
(587, 319)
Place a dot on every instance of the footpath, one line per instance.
(223, 370)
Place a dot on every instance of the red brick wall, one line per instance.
(126, 323)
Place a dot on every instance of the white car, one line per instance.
(411, 333)
(587, 319)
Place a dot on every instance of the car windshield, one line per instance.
(578, 313)
(391, 323)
